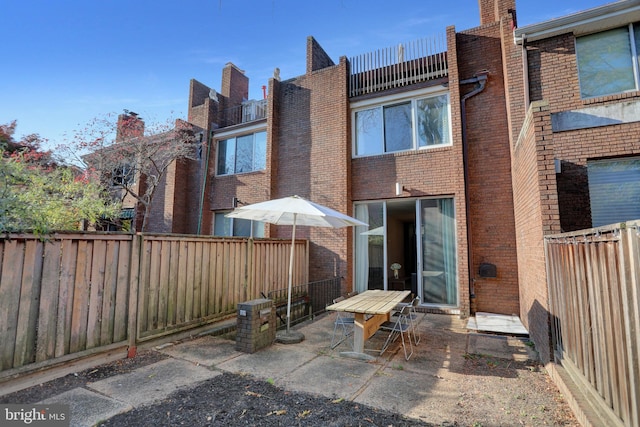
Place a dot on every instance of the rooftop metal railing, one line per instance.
(397, 66)
(249, 111)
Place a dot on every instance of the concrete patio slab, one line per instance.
(331, 376)
(502, 347)
(87, 408)
(275, 362)
(207, 351)
(153, 382)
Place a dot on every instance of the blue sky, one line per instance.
(70, 61)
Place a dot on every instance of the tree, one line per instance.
(41, 195)
(132, 166)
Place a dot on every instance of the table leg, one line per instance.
(358, 333)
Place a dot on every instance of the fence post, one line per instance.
(134, 283)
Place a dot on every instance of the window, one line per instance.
(224, 226)
(614, 190)
(123, 176)
(246, 153)
(401, 126)
(608, 61)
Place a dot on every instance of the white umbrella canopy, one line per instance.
(294, 210)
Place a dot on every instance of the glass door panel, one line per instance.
(370, 247)
(438, 253)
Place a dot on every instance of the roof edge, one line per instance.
(590, 20)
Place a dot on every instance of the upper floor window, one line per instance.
(236, 227)
(123, 176)
(404, 125)
(246, 153)
(608, 61)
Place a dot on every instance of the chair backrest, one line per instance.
(406, 310)
(341, 298)
(415, 302)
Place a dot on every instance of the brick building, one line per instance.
(401, 145)
(459, 158)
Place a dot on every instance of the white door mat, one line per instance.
(502, 323)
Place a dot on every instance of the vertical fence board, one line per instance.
(621, 404)
(597, 326)
(154, 284)
(631, 299)
(204, 279)
(134, 291)
(189, 281)
(182, 283)
(80, 307)
(96, 293)
(143, 287)
(109, 292)
(10, 284)
(197, 280)
(123, 289)
(163, 285)
(172, 303)
(28, 308)
(46, 341)
(65, 297)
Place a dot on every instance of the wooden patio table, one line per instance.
(371, 309)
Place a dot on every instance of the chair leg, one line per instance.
(391, 338)
(404, 347)
(416, 332)
(345, 333)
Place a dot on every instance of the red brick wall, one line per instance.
(312, 160)
(491, 219)
(536, 214)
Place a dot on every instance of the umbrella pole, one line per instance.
(293, 239)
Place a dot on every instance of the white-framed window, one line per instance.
(240, 154)
(417, 122)
(236, 227)
(614, 190)
(608, 61)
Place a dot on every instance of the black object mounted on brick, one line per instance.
(487, 270)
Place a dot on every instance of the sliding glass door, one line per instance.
(418, 238)
(438, 252)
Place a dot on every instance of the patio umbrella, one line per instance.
(294, 210)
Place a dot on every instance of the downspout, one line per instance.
(204, 183)
(525, 72)
(480, 79)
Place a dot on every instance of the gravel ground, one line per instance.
(484, 400)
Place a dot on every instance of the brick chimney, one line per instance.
(130, 125)
(235, 85)
(492, 10)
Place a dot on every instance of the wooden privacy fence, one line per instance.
(594, 302)
(76, 294)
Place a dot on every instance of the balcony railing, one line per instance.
(249, 111)
(402, 65)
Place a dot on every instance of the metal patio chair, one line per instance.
(342, 327)
(399, 328)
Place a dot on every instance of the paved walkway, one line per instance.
(310, 366)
